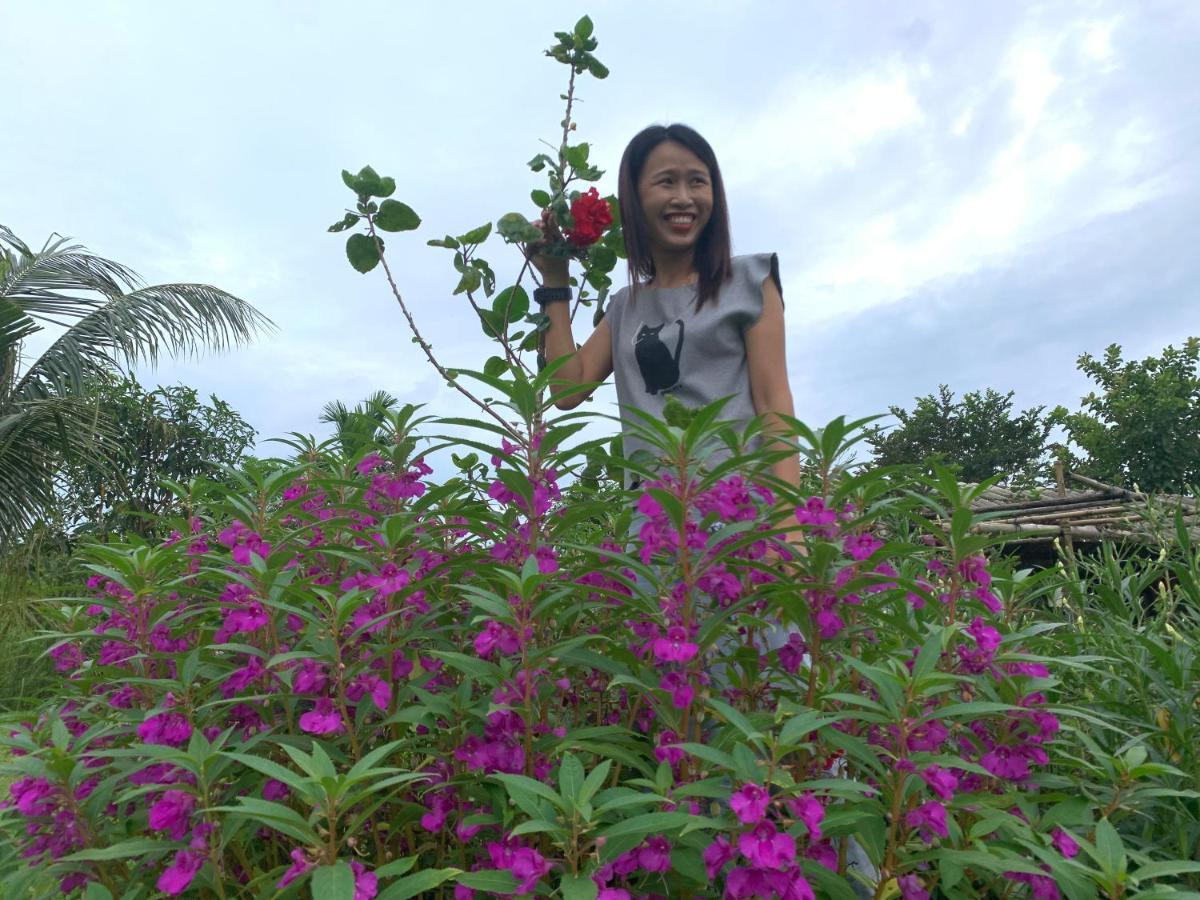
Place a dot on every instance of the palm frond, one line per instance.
(33, 438)
(48, 283)
(138, 327)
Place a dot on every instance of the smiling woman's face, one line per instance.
(675, 189)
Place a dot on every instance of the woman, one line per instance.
(695, 321)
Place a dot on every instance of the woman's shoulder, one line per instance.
(752, 269)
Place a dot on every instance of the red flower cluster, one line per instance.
(592, 215)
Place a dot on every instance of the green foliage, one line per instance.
(1143, 424)
(113, 321)
(979, 437)
(165, 433)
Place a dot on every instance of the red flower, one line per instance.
(592, 215)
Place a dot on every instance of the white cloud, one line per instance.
(815, 125)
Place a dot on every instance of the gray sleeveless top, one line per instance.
(661, 345)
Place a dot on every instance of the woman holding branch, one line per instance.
(695, 322)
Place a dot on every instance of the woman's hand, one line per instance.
(553, 269)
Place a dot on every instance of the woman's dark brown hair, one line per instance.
(714, 263)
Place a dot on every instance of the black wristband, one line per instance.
(544, 295)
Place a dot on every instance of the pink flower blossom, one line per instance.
(176, 877)
(171, 813)
(301, 865)
(366, 884)
(655, 855)
(675, 647)
(929, 819)
(766, 847)
(322, 719)
(911, 888)
(169, 728)
(942, 782)
(860, 546)
(682, 693)
(1064, 843)
(749, 803)
(809, 810)
(716, 855)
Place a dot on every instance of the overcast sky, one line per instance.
(971, 193)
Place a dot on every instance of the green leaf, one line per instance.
(578, 887)
(97, 891)
(334, 882)
(1165, 868)
(540, 198)
(597, 68)
(577, 156)
(396, 216)
(418, 883)
(363, 252)
(654, 822)
(495, 366)
(583, 28)
(492, 881)
(447, 242)
(515, 228)
(121, 850)
(570, 778)
(349, 221)
(477, 235)
(512, 304)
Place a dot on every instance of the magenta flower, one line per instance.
(301, 865)
(547, 559)
(322, 719)
(171, 813)
(245, 619)
(681, 692)
(666, 748)
(675, 647)
(911, 888)
(986, 637)
(310, 677)
(860, 546)
(169, 728)
(497, 638)
(176, 877)
(30, 796)
(749, 803)
(1064, 843)
(943, 782)
(766, 847)
(366, 884)
(275, 790)
(716, 855)
(791, 654)
(611, 893)
(809, 810)
(929, 819)
(655, 855)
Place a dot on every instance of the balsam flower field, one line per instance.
(451, 657)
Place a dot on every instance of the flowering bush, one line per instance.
(345, 677)
(348, 678)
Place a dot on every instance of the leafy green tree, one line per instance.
(166, 433)
(107, 320)
(1143, 424)
(978, 436)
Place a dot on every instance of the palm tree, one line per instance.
(362, 426)
(109, 321)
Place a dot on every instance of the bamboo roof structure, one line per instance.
(1083, 509)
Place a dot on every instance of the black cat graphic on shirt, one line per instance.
(659, 367)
